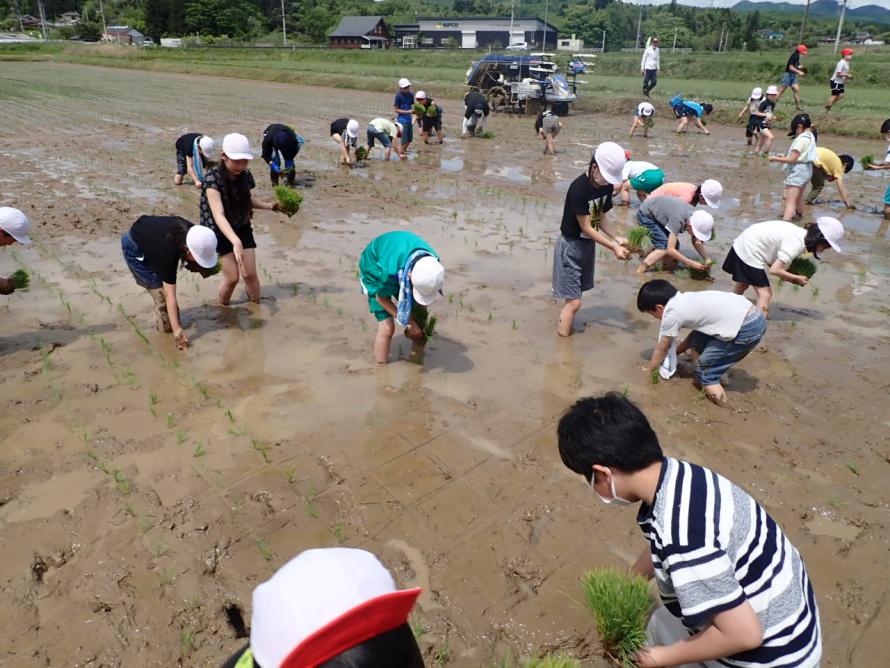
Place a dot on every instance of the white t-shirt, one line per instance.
(805, 144)
(712, 312)
(761, 244)
(633, 168)
(843, 68)
(650, 58)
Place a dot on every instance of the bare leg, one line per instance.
(769, 141)
(799, 202)
(790, 203)
(887, 212)
(251, 279)
(764, 295)
(739, 288)
(385, 330)
(230, 277)
(177, 180)
(796, 90)
(651, 260)
(716, 394)
(161, 315)
(567, 317)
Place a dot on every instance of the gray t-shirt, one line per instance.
(671, 212)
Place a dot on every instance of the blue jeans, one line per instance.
(379, 135)
(135, 259)
(407, 131)
(716, 357)
(658, 233)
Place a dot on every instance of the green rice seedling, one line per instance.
(867, 161)
(213, 271)
(553, 661)
(802, 266)
(309, 501)
(339, 534)
(425, 320)
(638, 238)
(620, 605)
(361, 153)
(656, 376)
(20, 279)
(701, 274)
(124, 486)
(171, 421)
(187, 638)
(485, 134)
(199, 450)
(515, 325)
(181, 436)
(852, 468)
(288, 199)
(265, 549)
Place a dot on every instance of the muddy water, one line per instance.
(144, 491)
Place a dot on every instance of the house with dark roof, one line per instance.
(124, 35)
(476, 32)
(360, 32)
(70, 18)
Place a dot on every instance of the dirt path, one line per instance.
(145, 492)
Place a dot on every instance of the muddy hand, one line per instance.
(6, 286)
(621, 252)
(801, 280)
(182, 341)
(413, 332)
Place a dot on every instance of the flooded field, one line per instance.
(144, 492)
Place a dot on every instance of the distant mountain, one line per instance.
(819, 8)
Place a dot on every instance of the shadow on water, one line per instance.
(54, 335)
(607, 315)
(445, 354)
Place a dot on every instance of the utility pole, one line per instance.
(720, 41)
(42, 11)
(840, 26)
(283, 24)
(639, 25)
(803, 26)
(104, 25)
(603, 50)
(546, 10)
(510, 36)
(674, 47)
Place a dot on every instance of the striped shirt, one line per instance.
(714, 547)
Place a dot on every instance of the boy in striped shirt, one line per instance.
(735, 590)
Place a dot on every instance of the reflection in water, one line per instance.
(511, 173)
(452, 164)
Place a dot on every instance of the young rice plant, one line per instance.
(425, 320)
(361, 153)
(802, 266)
(288, 199)
(619, 603)
(637, 238)
(20, 279)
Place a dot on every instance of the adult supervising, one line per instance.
(650, 65)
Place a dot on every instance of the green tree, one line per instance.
(663, 25)
(234, 18)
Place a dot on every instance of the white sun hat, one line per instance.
(207, 146)
(352, 128)
(201, 242)
(757, 93)
(832, 230)
(427, 279)
(712, 191)
(610, 159)
(236, 147)
(15, 223)
(404, 83)
(702, 225)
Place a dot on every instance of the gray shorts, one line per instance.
(573, 263)
(799, 174)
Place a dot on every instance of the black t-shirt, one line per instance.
(186, 143)
(280, 137)
(338, 127)
(213, 179)
(476, 100)
(793, 60)
(766, 105)
(162, 254)
(584, 199)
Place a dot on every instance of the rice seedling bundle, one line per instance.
(867, 161)
(288, 199)
(701, 274)
(485, 134)
(802, 266)
(213, 271)
(361, 153)
(553, 661)
(20, 279)
(637, 237)
(425, 320)
(620, 605)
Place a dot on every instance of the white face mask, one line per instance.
(615, 500)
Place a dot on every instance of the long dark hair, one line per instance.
(236, 195)
(176, 236)
(814, 239)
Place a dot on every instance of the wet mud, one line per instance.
(144, 492)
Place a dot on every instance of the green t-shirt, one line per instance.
(384, 257)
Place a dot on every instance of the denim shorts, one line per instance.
(658, 233)
(379, 135)
(135, 259)
(716, 357)
(799, 174)
(789, 79)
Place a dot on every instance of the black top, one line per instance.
(584, 199)
(539, 121)
(153, 236)
(186, 143)
(338, 127)
(766, 105)
(793, 60)
(213, 179)
(280, 137)
(476, 100)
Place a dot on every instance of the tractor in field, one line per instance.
(520, 82)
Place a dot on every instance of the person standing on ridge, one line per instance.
(793, 72)
(650, 65)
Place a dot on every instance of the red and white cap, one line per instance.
(320, 604)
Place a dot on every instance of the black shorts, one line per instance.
(682, 111)
(836, 88)
(244, 232)
(753, 125)
(181, 167)
(744, 273)
(431, 123)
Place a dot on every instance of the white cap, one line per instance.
(427, 279)
(207, 146)
(712, 191)
(236, 147)
(321, 603)
(15, 224)
(772, 90)
(757, 93)
(404, 83)
(610, 158)
(420, 95)
(201, 242)
(701, 223)
(352, 128)
(832, 230)
(646, 108)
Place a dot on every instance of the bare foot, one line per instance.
(718, 399)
